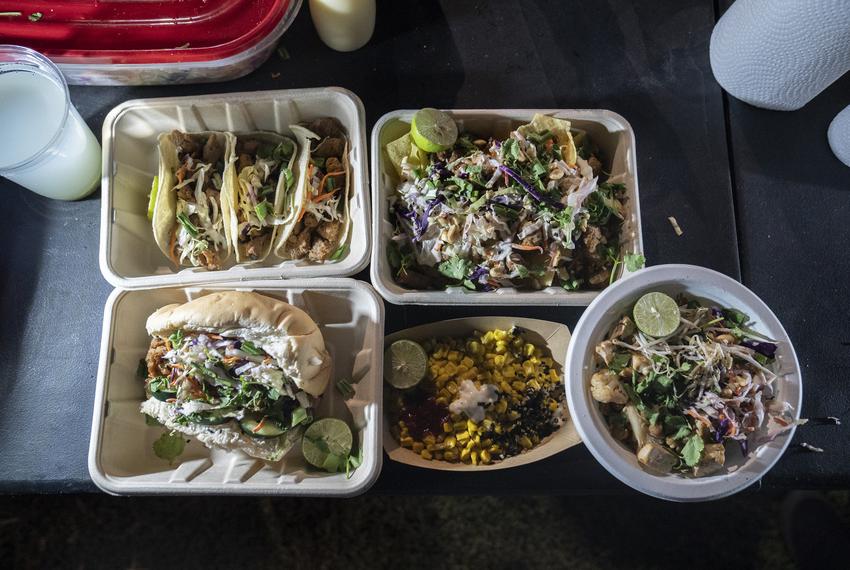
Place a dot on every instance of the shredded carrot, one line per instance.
(522, 247)
(260, 425)
(325, 196)
(214, 336)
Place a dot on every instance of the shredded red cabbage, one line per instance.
(421, 223)
(764, 348)
(530, 189)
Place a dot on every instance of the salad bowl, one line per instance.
(717, 290)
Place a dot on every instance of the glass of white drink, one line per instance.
(46, 146)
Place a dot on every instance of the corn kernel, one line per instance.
(533, 384)
(553, 406)
(453, 356)
(525, 442)
(471, 427)
(406, 441)
(485, 456)
(418, 446)
(452, 387)
(442, 401)
(501, 406)
(518, 385)
(462, 436)
(447, 427)
(425, 454)
(464, 455)
(498, 429)
(470, 445)
(429, 439)
(450, 455)
(514, 415)
(495, 448)
(451, 442)
(473, 456)
(460, 426)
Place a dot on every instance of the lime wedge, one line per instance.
(152, 199)
(405, 364)
(433, 130)
(327, 443)
(656, 314)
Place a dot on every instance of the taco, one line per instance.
(320, 230)
(192, 216)
(258, 189)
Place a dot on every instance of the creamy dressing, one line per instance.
(471, 400)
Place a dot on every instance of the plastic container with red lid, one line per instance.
(144, 42)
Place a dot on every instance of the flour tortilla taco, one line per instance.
(320, 231)
(259, 186)
(192, 215)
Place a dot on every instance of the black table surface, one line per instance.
(758, 194)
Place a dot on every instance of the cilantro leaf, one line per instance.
(692, 452)
(262, 210)
(169, 446)
(454, 268)
(188, 225)
(620, 361)
(634, 261)
(249, 347)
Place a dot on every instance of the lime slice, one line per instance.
(656, 314)
(152, 199)
(405, 364)
(327, 443)
(433, 130)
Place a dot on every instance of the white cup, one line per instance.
(46, 145)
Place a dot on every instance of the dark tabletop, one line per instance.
(758, 195)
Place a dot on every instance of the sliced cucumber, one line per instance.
(163, 396)
(210, 417)
(262, 427)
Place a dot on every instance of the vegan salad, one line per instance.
(529, 211)
(679, 381)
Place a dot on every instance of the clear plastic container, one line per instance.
(608, 130)
(145, 42)
(129, 256)
(121, 459)
(54, 152)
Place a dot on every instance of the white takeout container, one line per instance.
(121, 459)
(608, 130)
(129, 256)
(593, 327)
(554, 336)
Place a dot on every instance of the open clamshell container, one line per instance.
(608, 130)
(129, 256)
(554, 336)
(121, 458)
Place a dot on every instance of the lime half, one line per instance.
(327, 443)
(405, 364)
(656, 314)
(433, 130)
(152, 199)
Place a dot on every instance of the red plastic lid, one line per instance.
(139, 31)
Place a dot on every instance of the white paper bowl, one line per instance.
(595, 324)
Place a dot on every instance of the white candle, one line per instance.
(46, 145)
(344, 25)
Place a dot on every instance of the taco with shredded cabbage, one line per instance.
(192, 214)
(260, 189)
(320, 230)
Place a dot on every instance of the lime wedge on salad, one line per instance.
(656, 314)
(433, 130)
(405, 364)
(152, 199)
(327, 444)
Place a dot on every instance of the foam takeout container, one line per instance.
(121, 459)
(593, 327)
(129, 257)
(554, 336)
(608, 130)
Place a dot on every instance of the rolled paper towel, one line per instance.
(779, 54)
(839, 135)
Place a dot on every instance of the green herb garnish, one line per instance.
(249, 347)
(188, 225)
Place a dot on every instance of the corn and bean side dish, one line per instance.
(484, 398)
